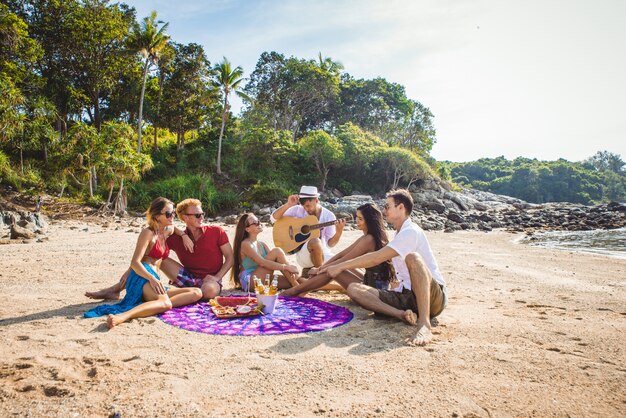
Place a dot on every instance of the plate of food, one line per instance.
(234, 306)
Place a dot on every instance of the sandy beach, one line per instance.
(528, 331)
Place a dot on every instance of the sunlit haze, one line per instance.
(539, 79)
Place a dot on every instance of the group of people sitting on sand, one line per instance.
(401, 278)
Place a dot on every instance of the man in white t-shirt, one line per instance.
(418, 286)
(306, 203)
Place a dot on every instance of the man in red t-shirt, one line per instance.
(204, 251)
(206, 256)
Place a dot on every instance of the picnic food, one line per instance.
(234, 306)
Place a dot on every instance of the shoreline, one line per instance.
(578, 241)
(528, 331)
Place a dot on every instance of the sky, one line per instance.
(540, 79)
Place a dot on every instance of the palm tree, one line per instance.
(148, 41)
(327, 64)
(227, 80)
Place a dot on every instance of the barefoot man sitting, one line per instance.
(418, 286)
(204, 251)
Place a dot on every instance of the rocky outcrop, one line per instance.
(439, 208)
(20, 226)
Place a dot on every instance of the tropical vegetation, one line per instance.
(84, 82)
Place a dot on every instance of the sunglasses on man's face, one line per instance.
(168, 214)
(197, 215)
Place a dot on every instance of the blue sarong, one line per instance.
(134, 295)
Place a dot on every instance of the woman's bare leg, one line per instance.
(157, 303)
(170, 268)
(184, 296)
(278, 255)
(321, 281)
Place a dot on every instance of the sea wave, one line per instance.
(610, 242)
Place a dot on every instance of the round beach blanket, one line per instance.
(291, 315)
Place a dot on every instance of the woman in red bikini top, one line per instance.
(145, 295)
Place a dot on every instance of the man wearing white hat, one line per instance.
(303, 204)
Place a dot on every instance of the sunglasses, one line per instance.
(168, 214)
(303, 200)
(197, 215)
(257, 223)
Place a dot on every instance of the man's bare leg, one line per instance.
(420, 284)
(369, 298)
(210, 289)
(317, 251)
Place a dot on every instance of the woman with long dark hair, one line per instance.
(254, 258)
(145, 294)
(370, 221)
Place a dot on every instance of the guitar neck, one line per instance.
(322, 225)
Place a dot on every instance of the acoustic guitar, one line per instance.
(291, 233)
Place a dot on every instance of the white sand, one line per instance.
(528, 331)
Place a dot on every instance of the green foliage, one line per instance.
(291, 94)
(227, 80)
(324, 150)
(76, 75)
(266, 154)
(345, 187)
(188, 97)
(268, 193)
(18, 51)
(401, 167)
(606, 161)
(148, 41)
(32, 178)
(546, 181)
(7, 175)
(182, 187)
(12, 113)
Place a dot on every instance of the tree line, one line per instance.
(599, 178)
(95, 100)
(102, 105)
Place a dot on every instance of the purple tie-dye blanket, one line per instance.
(292, 315)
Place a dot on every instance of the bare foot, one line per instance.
(103, 294)
(409, 317)
(111, 321)
(293, 279)
(422, 336)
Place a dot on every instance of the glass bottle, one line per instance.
(274, 285)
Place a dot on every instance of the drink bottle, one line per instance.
(274, 285)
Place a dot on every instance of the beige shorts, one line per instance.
(406, 299)
(303, 257)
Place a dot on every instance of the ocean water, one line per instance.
(598, 241)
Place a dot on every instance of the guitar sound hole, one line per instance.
(305, 229)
